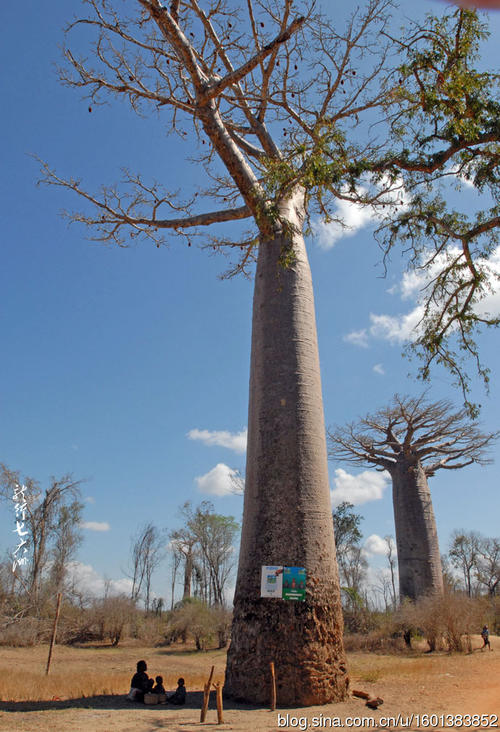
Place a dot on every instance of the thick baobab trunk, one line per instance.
(419, 561)
(287, 516)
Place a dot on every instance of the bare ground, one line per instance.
(418, 684)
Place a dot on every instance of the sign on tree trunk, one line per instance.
(287, 583)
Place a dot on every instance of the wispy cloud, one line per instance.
(357, 489)
(405, 327)
(89, 581)
(379, 369)
(350, 218)
(358, 338)
(220, 481)
(236, 441)
(95, 525)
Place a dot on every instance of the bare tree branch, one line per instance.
(430, 433)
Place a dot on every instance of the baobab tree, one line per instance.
(412, 439)
(272, 93)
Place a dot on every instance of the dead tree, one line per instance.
(148, 551)
(47, 527)
(413, 438)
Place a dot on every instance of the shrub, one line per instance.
(376, 640)
(194, 618)
(19, 633)
(445, 621)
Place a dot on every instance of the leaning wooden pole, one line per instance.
(206, 696)
(273, 687)
(54, 631)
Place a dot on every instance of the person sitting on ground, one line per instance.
(141, 683)
(485, 635)
(179, 695)
(159, 688)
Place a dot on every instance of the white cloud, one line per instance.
(357, 338)
(355, 217)
(88, 581)
(398, 329)
(95, 525)
(357, 489)
(379, 369)
(352, 217)
(376, 545)
(460, 172)
(220, 481)
(236, 441)
(491, 304)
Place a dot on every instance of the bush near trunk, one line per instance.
(447, 621)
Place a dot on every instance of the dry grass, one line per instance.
(89, 671)
(94, 670)
(372, 667)
(409, 684)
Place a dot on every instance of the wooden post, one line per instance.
(206, 696)
(220, 711)
(273, 687)
(54, 631)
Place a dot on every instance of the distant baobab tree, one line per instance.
(412, 439)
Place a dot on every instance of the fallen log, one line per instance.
(360, 694)
(374, 703)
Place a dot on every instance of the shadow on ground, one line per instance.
(194, 700)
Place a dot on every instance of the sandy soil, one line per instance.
(436, 684)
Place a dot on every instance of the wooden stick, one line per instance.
(206, 696)
(273, 687)
(220, 711)
(54, 631)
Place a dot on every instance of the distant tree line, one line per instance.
(46, 539)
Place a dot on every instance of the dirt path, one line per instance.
(418, 685)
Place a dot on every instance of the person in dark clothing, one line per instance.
(141, 683)
(485, 635)
(159, 688)
(179, 695)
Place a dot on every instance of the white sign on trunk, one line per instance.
(271, 584)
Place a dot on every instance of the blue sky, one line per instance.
(115, 361)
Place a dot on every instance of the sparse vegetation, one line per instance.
(95, 669)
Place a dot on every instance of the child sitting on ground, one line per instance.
(179, 695)
(159, 689)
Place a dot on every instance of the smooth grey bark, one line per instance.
(287, 510)
(419, 560)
